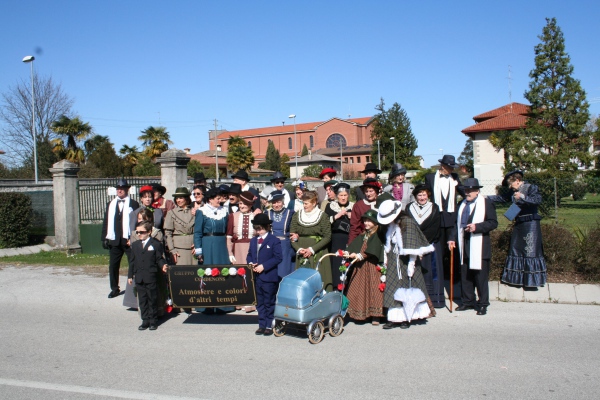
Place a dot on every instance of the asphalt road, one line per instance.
(61, 338)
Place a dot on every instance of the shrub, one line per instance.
(589, 266)
(579, 190)
(560, 249)
(15, 219)
(500, 241)
(545, 184)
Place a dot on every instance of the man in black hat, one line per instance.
(476, 218)
(200, 180)
(278, 182)
(241, 177)
(116, 231)
(234, 192)
(445, 188)
(370, 171)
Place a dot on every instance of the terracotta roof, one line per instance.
(314, 158)
(287, 129)
(514, 108)
(207, 160)
(505, 122)
(361, 149)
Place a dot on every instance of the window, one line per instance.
(346, 160)
(290, 143)
(351, 160)
(367, 159)
(312, 143)
(358, 160)
(335, 140)
(249, 144)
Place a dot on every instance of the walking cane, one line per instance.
(451, 277)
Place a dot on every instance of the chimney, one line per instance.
(187, 150)
(309, 155)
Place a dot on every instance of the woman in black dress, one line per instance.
(427, 215)
(339, 212)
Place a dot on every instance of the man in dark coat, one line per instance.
(370, 171)
(445, 187)
(241, 177)
(476, 218)
(116, 231)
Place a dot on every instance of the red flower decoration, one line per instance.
(241, 271)
(168, 309)
(340, 286)
(378, 268)
(340, 253)
(381, 286)
(215, 272)
(347, 264)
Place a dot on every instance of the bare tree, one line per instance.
(15, 116)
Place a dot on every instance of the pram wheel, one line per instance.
(336, 326)
(316, 331)
(279, 328)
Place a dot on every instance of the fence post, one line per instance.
(173, 169)
(555, 202)
(66, 206)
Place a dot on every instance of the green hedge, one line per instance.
(15, 219)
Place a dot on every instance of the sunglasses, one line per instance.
(279, 182)
(141, 232)
(197, 194)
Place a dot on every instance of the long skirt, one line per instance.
(366, 300)
(393, 283)
(311, 262)
(215, 250)
(433, 274)
(338, 242)
(525, 264)
(240, 250)
(287, 264)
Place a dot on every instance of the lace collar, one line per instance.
(214, 212)
(309, 218)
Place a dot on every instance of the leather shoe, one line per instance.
(153, 327)
(143, 327)
(389, 325)
(114, 294)
(268, 332)
(404, 325)
(464, 308)
(482, 310)
(260, 331)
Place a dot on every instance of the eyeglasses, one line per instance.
(197, 194)
(279, 182)
(141, 232)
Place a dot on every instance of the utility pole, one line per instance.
(216, 153)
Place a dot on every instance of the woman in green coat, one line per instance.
(310, 235)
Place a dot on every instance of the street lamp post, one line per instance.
(29, 59)
(217, 150)
(378, 156)
(393, 139)
(341, 162)
(295, 146)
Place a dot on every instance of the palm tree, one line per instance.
(239, 155)
(75, 130)
(155, 141)
(130, 154)
(94, 143)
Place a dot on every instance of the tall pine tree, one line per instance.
(272, 158)
(555, 138)
(394, 122)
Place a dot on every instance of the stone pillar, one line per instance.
(66, 206)
(173, 170)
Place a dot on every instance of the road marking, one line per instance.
(123, 394)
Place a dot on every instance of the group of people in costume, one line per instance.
(396, 236)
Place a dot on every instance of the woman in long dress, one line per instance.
(404, 244)
(311, 233)
(525, 264)
(179, 229)
(240, 230)
(210, 227)
(427, 215)
(282, 220)
(339, 212)
(365, 285)
(371, 188)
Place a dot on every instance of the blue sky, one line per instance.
(249, 64)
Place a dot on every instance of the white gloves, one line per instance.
(232, 259)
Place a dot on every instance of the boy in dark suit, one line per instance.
(264, 255)
(146, 259)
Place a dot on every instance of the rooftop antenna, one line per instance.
(510, 89)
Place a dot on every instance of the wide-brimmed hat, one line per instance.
(122, 183)
(276, 195)
(241, 174)
(372, 215)
(383, 197)
(266, 191)
(199, 177)
(159, 188)
(247, 198)
(261, 219)
(211, 193)
(448, 160)
(371, 167)
(235, 188)
(332, 182)
(341, 187)
(471, 183)
(278, 176)
(371, 182)
(327, 171)
(182, 191)
(145, 188)
(223, 189)
(397, 169)
(388, 211)
(511, 173)
(420, 188)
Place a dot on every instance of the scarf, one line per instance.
(437, 192)
(112, 209)
(309, 218)
(398, 191)
(420, 213)
(476, 238)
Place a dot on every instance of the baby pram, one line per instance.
(301, 300)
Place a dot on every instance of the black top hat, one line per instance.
(241, 174)
(371, 167)
(276, 195)
(261, 219)
(278, 176)
(159, 188)
(511, 173)
(122, 183)
(222, 189)
(199, 177)
(397, 169)
(235, 188)
(448, 160)
(471, 183)
(341, 187)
